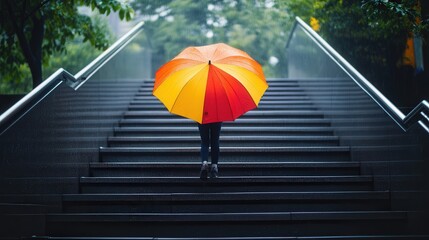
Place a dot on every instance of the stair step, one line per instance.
(287, 102)
(356, 237)
(139, 169)
(307, 102)
(284, 97)
(250, 114)
(228, 154)
(225, 184)
(282, 88)
(226, 131)
(297, 93)
(241, 122)
(237, 224)
(226, 202)
(367, 130)
(244, 141)
(152, 107)
(227, 196)
(240, 154)
(291, 88)
(353, 113)
(278, 98)
(339, 109)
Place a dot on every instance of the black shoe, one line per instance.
(214, 172)
(204, 171)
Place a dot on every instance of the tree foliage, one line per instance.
(372, 35)
(33, 30)
(371, 45)
(408, 12)
(259, 27)
(77, 55)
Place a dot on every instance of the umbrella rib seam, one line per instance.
(184, 86)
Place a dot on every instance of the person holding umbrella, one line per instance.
(210, 84)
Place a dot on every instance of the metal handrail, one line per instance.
(31, 99)
(404, 121)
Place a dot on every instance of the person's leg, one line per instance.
(214, 137)
(205, 141)
(204, 152)
(214, 141)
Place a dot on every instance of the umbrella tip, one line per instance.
(210, 62)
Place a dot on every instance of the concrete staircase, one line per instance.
(283, 175)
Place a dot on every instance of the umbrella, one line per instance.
(212, 83)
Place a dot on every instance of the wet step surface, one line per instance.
(284, 174)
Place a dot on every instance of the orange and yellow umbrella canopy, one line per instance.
(212, 83)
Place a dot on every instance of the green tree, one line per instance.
(302, 8)
(75, 56)
(259, 27)
(372, 36)
(408, 12)
(32, 30)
